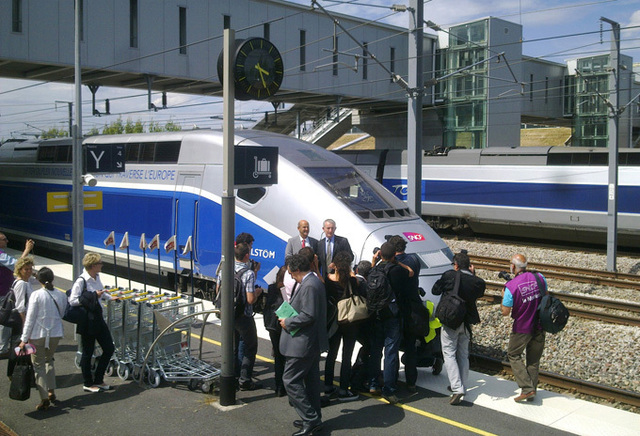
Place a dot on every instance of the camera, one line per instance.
(255, 266)
(504, 276)
(375, 250)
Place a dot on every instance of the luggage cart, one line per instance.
(169, 355)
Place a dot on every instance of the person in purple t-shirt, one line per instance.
(520, 299)
(7, 263)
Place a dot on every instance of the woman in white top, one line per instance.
(87, 291)
(22, 289)
(43, 329)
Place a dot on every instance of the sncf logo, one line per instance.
(413, 237)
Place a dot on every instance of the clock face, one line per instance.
(258, 69)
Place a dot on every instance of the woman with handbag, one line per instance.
(22, 290)
(341, 285)
(43, 329)
(87, 291)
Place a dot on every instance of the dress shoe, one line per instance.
(298, 423)
(525, 397)
(280, 391)
(456, 399)
(437, 366)
(308, 429)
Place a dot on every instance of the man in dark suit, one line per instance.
(330, 245)
(302, 350)
(301, 240)
(455, 342)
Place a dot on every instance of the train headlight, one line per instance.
(89, 180)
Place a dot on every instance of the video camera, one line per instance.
(504, 276)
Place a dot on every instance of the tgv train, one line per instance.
(172, 185)
(556, 193)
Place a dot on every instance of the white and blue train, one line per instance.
(173, 186)
(554, 193)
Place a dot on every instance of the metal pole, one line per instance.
(414, 107)
(612, 199)
(227, 380)
(77, 200)
(70, 118)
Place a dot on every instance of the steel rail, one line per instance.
(570, 383)
(582, 275)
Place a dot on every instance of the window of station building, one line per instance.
(365, 59)
(251, 195)
(226, 22)
(266, 31)
(303, 50)
(392, 61)
(530, 87)
(133, 23)
(16, 16)
(182, 17)
(546, 90)
(335, 56)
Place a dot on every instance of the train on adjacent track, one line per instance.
(172, 185)
(550, 193)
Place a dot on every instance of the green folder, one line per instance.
(287, 311)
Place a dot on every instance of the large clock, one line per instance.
(257, 69)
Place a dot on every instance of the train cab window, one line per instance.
(46, 154)
(349, 187)
(251, 195)
(63, 153)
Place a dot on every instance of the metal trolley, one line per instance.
(169, 356)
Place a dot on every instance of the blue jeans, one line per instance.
(245, 330)
(386, 334)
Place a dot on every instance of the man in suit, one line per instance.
(302, 350)
(301, 240)
(330, 245)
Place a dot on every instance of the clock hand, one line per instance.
(262, 71)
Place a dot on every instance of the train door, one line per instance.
(187, 200)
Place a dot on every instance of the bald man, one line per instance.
(520, 299)
(302, 239)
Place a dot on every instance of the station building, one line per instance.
(334, 79)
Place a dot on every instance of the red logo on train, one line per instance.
(413, 237)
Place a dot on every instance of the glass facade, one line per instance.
(590, 127)
(465, 94)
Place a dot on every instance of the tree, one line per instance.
(172, 127)
(130, 127)
(114, 128)
(54, 132)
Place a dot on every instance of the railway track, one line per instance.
(569, 383)
(561, 272)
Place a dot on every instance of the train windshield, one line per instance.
(349, 187)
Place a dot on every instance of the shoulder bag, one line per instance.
(353, 308)
(76, 314)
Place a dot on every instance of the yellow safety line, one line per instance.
(403, 406)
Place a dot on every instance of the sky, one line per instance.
(553, 30)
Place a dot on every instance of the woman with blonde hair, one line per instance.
(43, 329)
(87, 291)
(22, 290)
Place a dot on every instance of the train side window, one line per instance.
(63, 153)
(599, 159)
(147, 153)
(633, 159)
(167, 152)
(559, 159)
(251, 195)
(580, 159)
(132, 151)
(46, 154)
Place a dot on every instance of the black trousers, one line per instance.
(99, 332)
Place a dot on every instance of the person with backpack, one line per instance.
(520, 299)
(460, 288)
(7, 264)
(384, 283)
(244, 324)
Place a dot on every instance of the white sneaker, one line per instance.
(103, 387)
(92, 389)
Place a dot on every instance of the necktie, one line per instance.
(328, 258)
(303, 243)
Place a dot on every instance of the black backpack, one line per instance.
(452, 308)
(9, 316)
(238, 297)
(379, 291)
(553, 315)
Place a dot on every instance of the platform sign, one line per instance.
(256, 166)
(60, 201)
(107, 158)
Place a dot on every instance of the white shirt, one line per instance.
(93, 285)
(44, 318)
(20, 288)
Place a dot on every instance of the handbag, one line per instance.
(352, 309)
(9, 316)
(21, 379)
(75, 314)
